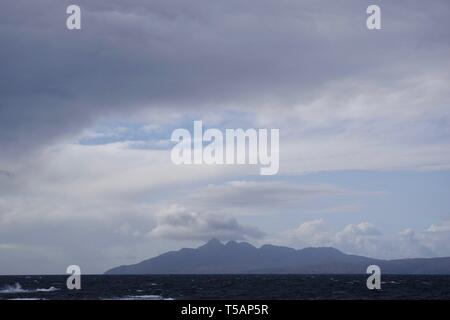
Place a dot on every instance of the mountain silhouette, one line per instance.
(215, 257)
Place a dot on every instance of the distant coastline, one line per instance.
(216, 257)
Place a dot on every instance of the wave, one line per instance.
(26, 299)
(51, 289)
(390, 282)
(142, 297)
(17, 288)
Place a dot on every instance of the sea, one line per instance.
(232, 287)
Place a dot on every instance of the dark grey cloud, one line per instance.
(5, 174)
(132, 55)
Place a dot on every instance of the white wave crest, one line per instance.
(26, 299)
(141, 297)
(51, 289)
(17, 288)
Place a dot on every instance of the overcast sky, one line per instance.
(86, 118)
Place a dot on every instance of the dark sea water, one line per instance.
(225, 287)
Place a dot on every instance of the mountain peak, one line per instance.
(235, 244)
(213, 243)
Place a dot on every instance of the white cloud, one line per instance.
(359, 238)
(176, 222)
(366, 239)
(310, 233)
(444, 226)
(362, 238)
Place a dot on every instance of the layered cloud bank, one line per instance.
(86, 118)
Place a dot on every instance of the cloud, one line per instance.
(176, 222)
(345, 208)
(437, 238)
(362, 238)
(432, 242)
(309, 234)
(344, 99)
(361, 229)
(259, 197)
(366, 239)
(444, 226)
(412, 244)
(315, 60)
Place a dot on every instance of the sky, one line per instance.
(86, 118)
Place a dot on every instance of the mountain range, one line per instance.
(215, 257)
